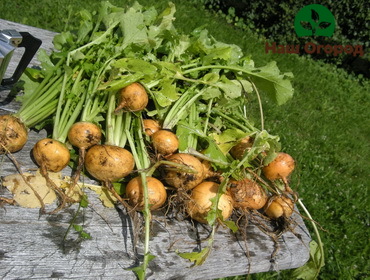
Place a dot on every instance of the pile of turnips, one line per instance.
(159, 118)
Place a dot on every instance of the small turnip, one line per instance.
(13, 134)
(83, 134)
(156, 192)
(177, 178)
(199, 203)
(243, 145)
(108, 163)
(150, 126)
(279, 206)
(280, 168)
(132, 98)
(165, 142)
(247, 194)
(51, 155)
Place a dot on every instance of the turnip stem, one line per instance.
(172, 119)
(260, 105)
(46, 111)
(319, 241)
(208, 116)
(235, 122)
(110, 121)
(69, 108)
(28, 112)
(142, 162)
(43, 86)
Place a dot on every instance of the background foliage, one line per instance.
(325, 127)
(275, 20)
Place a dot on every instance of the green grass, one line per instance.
(325, 127)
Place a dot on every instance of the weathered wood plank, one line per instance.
(31, 245)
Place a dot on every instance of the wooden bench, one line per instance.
(31, 246)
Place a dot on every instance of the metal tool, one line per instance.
(10, 40)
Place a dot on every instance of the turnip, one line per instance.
(165, 142)
(13, 134)
(132, 98)
(199, 203)
(51, 155)
(156, 192)
(184, 180)
(150, 126)
(280, 168)
(279, 206)
(243, 145)
(108, 163)
(247, 194)
(83, 135)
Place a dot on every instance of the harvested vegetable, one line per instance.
(165, 142)
(199, 203)
(128, 70)
(279, 206)
(83, 135)
(132, 98)
(150, 126)
(247, 194)
(51, 155)
(156, 192)
(280, 168)
(239, 149)
(13, 134)
(184, 180)
(108, 163)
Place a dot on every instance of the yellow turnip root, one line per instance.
(156, 192)
(165, 142)
(179, 179)
(247, 194)
(132, 98)
(243, 145)
(13, 134)
(280, 168)
(51, 154)
(150, 126)
(279, 206)
(83, 134)
(108, 163)
(199, 203)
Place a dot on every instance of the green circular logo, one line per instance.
(314, 20)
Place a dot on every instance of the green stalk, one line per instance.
(51, 94)
(142, 162)
(97, 102)
(58, 115)
(126, 126)
(260, 104)
(46, 111)
(224, 67)
(68, 112)
(319, 241)
(235, 122)
(209, 108)
(43, 86)
(178, 110)
(193, 120)
(110, 119)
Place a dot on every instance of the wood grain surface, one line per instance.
(32, 246)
